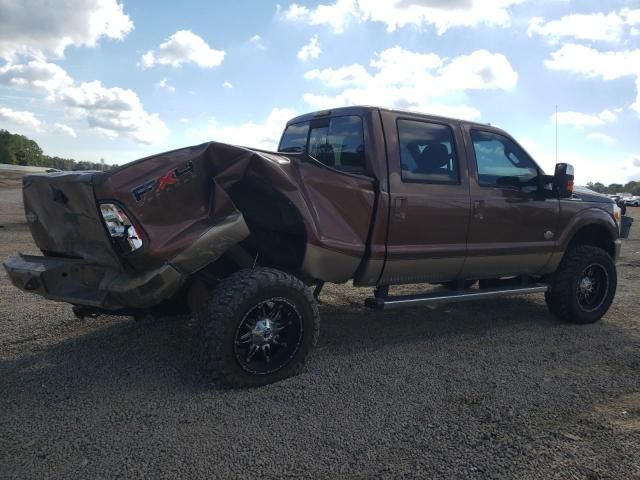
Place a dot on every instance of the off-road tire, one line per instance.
(228, 303)
(562, 297)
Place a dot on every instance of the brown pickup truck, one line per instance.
(376, 196)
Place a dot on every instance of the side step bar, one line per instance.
(400, 301)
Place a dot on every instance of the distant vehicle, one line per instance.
(632, 202)
(376, 196)
(52, 170)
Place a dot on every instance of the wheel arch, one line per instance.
(592, 226)
(278, 234)
(596, 235)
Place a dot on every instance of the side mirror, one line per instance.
(563, 180)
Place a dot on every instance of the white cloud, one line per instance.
(589, 162)
(36, 74)
(227, 85)
(65, 129)
(601, 137)
(350, 75)
(439, 14)
(633, 169)
(113, 111)
(591, 63)
(264, 135)
(164, 83)
(184, 120)
(310, 50)
(402, 79)
(256, 40)
(581, 120)
(183, 47)
(636, 105)
(610, 27)
(41, 29)
(25, 119)
(336, 15)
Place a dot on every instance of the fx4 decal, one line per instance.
(155, 186)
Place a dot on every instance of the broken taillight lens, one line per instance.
(120, 227)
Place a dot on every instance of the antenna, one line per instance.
(556, 133)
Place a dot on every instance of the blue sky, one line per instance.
(92, 79)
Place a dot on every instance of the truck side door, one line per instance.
(512, 230)
(429, 199)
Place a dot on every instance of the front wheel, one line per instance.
(584, 285)
(259, 327)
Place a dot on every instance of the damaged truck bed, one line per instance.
(189, 208)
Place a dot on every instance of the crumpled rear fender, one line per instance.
(181, 202)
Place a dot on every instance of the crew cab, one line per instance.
(378, 197)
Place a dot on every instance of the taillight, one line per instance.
(120, 227)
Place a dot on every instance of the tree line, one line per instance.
(19, 150)
(632, 187)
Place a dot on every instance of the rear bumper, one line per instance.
(81, 283)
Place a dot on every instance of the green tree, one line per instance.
(632, 186)
(615, 188)
(597, 187)
(19, 150)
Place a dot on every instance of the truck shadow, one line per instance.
(166, 352)
(343, 324)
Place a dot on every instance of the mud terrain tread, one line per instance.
(560, 297)
(221, 313)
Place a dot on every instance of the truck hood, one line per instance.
(586, 195)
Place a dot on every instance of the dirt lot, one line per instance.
(479, 390)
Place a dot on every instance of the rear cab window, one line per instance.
(427, 152)
(337, 142)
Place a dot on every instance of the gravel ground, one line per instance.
(498, 389)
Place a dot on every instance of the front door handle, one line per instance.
(400, 207)
(478, 209)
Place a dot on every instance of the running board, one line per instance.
(401, 301)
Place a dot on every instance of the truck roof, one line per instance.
(359, 109)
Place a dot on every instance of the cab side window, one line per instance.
(340, 144)
(294, 139)
(337, 142)
(427, 152)
(502, 163)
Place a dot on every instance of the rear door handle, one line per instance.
(478, 209)
(400, 207)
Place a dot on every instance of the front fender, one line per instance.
(575, 217)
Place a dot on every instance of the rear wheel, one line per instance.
(259, 327)
(584, 285)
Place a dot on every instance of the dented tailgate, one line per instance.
(64, 219)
